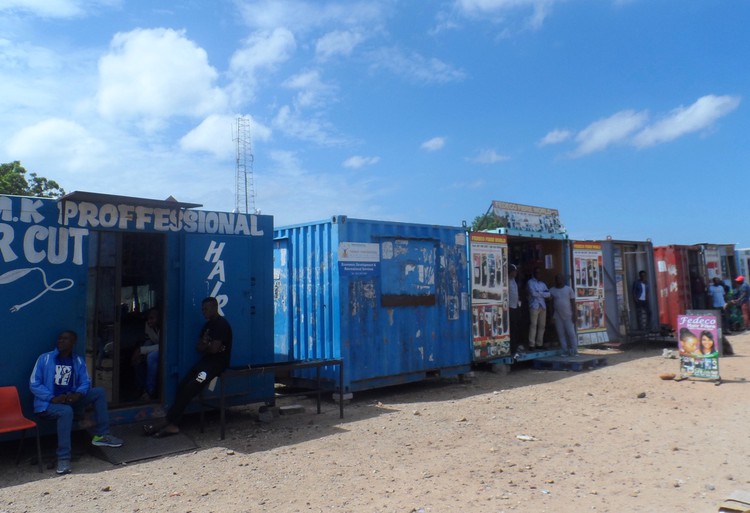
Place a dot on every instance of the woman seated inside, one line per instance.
(146, 356)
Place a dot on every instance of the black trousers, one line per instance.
(515, 329)
(198, 377)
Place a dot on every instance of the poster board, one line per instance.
(488, 253)
(698, 343)
(588, 283)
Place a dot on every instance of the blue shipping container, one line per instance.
(96, 263)
(390, 299)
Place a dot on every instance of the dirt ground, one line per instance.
(587, 442)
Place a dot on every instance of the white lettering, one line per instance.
(6, 237)
(29, 210)
(213, 254)
(34, 232)
(254, 227)
(108, 216)
(142, 216)
(218, 269)
(126, 215)
(87, 215)
(6, 209)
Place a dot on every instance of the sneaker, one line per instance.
(106, 441)
(63, 467)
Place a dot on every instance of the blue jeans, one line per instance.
(64, 414)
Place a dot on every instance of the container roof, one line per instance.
(95, 197)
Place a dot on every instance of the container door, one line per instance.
(281, 304)
(126, 280)
(225, 267)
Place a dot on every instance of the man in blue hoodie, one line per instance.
(62, 389)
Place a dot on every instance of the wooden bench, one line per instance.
(275, 369)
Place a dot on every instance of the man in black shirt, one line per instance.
(215, 344)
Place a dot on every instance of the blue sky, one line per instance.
(628, 116)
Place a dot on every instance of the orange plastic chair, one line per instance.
(12, 420)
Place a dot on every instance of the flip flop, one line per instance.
(163, 433)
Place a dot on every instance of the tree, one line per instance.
(488, 221)
(13, 181)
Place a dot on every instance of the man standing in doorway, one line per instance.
(215, 345)
(514, 304)
(564, 303)
(538, 294)
(640, 298)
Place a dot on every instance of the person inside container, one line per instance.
(514, 309)
(538, 295)
(688, 343)
(62, 390)
(708, 345)
(146, 356)
(215, 346)
(640, 298)
(741, 299)
(564, 303)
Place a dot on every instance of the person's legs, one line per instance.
(152, 367)
(561, 334)
(571, 336)
(98, 398)
(515, 332)
(63, 414)
(541, 324)
(533, 321)
(198, 377)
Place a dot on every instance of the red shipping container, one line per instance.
(673, 282)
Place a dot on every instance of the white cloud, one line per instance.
(415, 66)
(434, 144)
(291, 123)
(54, 8)
(62, 144)
(315, 194)
(684, 120)
(497, 8)
(555, 137)
(489, 157)
(312, 90)
(155, 74)
(358, 161)
(261, 53)
(217, 134)
(298, 15)
(605, 132)
(337, 43)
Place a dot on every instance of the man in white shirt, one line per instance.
(538, 294)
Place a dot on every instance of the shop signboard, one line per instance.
(527, 218)
(588, 284)
(698, 339)
(489, 295)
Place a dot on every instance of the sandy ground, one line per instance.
(448, 446)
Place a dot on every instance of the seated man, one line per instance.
(62, 388)
(145, 357)
(215, 344)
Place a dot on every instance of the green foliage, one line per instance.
(488, 221)
(13, 181)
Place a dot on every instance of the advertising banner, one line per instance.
(698, 344)
(588, 284)
(527, 218)
(489, 293)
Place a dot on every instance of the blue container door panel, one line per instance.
(221, 266)
(282, 308)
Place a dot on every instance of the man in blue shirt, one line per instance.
(640, 298)
(538, 294)
(62, 389)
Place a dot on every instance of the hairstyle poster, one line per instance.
(489, 295)
(698, 344)
(588, 284)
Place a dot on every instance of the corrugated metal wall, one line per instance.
(397, 319)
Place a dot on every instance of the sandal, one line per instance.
(163, 433)
(150, 429)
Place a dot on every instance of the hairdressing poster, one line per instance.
(489, 295)
(588, 284)
(527, 218)
(698, 344)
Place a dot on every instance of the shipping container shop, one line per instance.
(680, 272)
(622, 261)
(388, 298)
(100, 265)
(535, 239)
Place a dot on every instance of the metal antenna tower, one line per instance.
(244, 197)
